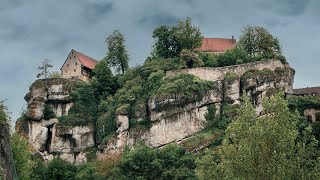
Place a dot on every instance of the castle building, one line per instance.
(217, 45)
(78, 65)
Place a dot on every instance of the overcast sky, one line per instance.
(32, 30)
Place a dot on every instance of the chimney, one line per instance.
(233, 39)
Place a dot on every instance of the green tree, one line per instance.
(22, 157)
(103, 80)
(87, 172)
(117, 55)
(273, 146)
(44, 69)
(170, 41)
(146, 163)
(258, 41)
(59, 169)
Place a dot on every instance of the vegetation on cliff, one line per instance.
(272, 146)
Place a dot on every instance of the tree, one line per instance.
(3, 112)
(170, 41)
(258, 41)
(103, 79)
(22, 157)
(143, 162)
(117, 55)
(44, 69)
(267, 147)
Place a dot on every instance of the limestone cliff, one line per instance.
(174, 119)
(47, 137)
(171, 118)
(7, 169)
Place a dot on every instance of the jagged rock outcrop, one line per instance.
(174, 119)
(171, 118)
(45, 135)
(7, 169)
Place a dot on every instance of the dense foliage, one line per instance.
(59, 169)
(303, 102)
(187, 86)
(171, 40)
(274, 146)
(170, 162)
(22, 157)
(258, 41)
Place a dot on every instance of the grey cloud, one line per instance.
(94, 12)
(285, 7)
(13, 32)
(158, 19)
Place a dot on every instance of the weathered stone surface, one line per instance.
(52, 92)
(38, 135)
(71, 139)
(173, 118)
(177, 126)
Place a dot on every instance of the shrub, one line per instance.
(208, 59)
(230, 76)
(186, 85)
(303, 102)
(73, 120)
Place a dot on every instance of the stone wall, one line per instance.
(216, 74)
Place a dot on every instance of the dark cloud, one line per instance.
(158, 19)
(94, 12)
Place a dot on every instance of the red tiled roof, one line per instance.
(86, 60)
(309, 91)
(216, 44)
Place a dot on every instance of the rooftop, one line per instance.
(217, 44)
(309, 91)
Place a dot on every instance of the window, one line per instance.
(74, 70)
(76, 63)
(67, 65)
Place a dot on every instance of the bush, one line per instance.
(170, 162)
(232, 57)
(209, 60)
(73, 120)
(230, 76)
(186, 85)
(303, 102)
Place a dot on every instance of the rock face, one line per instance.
(7, 169)
(46, 136)
(171, 118)
(174, 119)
